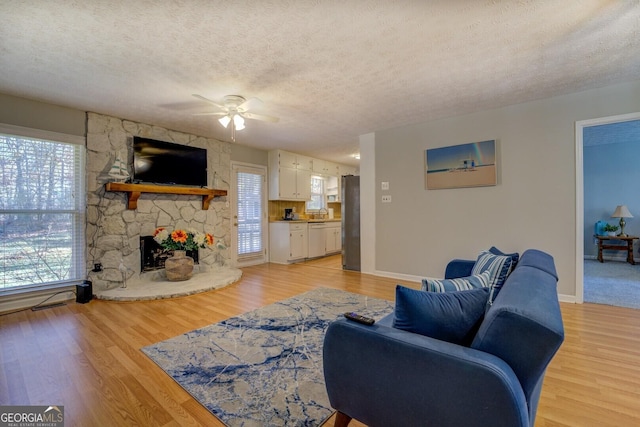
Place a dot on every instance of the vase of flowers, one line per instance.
(180, 266)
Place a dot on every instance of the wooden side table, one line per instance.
(627, 246)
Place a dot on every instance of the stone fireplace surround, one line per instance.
(113, 232)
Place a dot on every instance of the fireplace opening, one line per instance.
(153, 255)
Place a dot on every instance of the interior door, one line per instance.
(249, 214)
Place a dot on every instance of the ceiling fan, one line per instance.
(234, 109)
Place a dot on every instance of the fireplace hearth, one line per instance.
(153, 256)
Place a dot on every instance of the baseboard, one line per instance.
(16, 302)
(567, 298)
(399, 276)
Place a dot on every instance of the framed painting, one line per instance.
(459, 166)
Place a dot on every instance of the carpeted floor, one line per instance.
(263, 368)
(612, 283)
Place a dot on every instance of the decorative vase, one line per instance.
(179, 266)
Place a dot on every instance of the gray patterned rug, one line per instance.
(263, 368)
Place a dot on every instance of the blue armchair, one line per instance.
(384, 376)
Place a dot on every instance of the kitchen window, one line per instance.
(42, 209)
(317, 201)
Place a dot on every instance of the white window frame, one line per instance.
(79, 256)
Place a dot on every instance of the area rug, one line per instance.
(263, 368)
(612, 282)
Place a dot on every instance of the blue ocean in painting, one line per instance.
(461, 157)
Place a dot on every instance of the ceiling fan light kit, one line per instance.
(235, 108)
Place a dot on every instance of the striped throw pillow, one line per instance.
(498, 266)
(481, 280)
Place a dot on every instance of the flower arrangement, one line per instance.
(182, 240)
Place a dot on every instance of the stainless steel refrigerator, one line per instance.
(350, 210)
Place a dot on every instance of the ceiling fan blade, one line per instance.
(262, 117)
(222, 107)
(250, 104)
(220, 113)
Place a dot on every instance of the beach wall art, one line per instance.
(458, 166)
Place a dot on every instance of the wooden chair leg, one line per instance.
(342, 420)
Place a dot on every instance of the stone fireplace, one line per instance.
(114, 232)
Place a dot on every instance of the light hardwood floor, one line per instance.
(87, 357)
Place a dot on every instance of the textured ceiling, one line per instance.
(331, 70)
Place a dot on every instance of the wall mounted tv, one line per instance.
(160, 162)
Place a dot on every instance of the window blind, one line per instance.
(42, 211)
(249, 214)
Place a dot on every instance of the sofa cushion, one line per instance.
(460, 284)
(451, 316)
(499, 267)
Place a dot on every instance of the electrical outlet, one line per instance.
(386, 198)
(97, 267)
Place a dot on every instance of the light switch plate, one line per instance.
(385, 185)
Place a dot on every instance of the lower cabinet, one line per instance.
(294, 241)
(288, 242)
(333, 239)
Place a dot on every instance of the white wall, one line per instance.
(533, 205)
(39, 115)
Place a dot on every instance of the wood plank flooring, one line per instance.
(87, 357)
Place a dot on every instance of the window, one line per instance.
(250, 215)
(42, 210)
(317, 194)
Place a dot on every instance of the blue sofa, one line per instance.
(384, 376)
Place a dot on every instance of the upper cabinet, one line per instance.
(292, 160)
(324, 167)
(290, 175)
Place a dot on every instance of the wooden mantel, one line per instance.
(135, 190)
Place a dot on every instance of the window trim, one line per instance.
(32, 133)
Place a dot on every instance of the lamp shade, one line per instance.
(238, 122)
(224, 120)
(622, 212)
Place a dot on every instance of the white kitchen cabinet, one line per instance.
(333, 237)
(289, 176)
(332, 188)
(293, 160)
(324, 167)
(288, 241)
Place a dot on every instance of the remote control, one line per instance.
(360, 319)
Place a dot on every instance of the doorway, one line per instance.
(585, 230)
(249, 210)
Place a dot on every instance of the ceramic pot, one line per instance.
(179, 266)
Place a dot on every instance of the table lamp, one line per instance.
(622, 212)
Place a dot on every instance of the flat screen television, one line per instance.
(160, 162)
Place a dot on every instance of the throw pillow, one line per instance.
(452, 316)
(499, 267)
(515, 257)
(459, 284)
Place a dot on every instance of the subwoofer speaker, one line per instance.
(84, 292)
